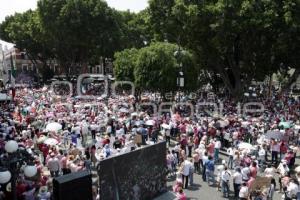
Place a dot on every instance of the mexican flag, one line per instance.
(12, 76)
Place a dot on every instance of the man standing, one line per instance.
(275, 149)
(210, 168)
(217, 150)
(53, 165)
(225, 176)
(186, 167)
(237, 182)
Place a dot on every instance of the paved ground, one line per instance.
(201, 191)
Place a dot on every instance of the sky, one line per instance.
(9, 7)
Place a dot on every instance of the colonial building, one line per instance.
(28, 71)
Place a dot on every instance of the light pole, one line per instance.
(180, 76)
(12, 163)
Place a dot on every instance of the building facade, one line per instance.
(28, 71)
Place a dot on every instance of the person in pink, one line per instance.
(250, 182)
(178, 185)
(211, 148)
(253, 170)
(181, 195)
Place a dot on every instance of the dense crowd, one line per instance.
(66, 135)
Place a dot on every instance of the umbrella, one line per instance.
(277, 135)
(245, 145)
(134, 114)
(285, 125)
(41, 139)
(245, 124)
(51, 141)
(222, 124)
(123, 110)
(54, 127)
(150, 123)
(297, 127)
(36, 124)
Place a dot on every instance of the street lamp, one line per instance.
(180, 79)
(12, 162)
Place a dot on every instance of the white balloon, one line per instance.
(30, 171)
(11, 146)
(5, 177)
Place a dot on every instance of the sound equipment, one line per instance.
(74, 186)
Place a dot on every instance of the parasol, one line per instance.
(277, 135)
(41, 139)
(134, 114)
(245, 145)
(245, 123)
(222, 123)
(285, 125)
(54, 127)
(123, 110)
(51, 141)
(150, 123)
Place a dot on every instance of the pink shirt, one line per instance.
(253, 172)
(181, 196)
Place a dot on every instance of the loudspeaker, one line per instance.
(74, 186)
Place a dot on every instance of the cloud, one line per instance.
(10, 7)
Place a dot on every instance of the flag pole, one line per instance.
(12, 76)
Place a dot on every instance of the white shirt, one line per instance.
(186, 167)
(217, 145)
(246, 173)
(204, 159)
(283, 170)
(269, 172)
(261, 152)
(237, 178)
(225, 175)
(53, 164)
(200, 152)
(230, 151)
(292, 189)
(275, 147)
(243, 192)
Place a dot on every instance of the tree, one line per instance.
(124, 64)
(238, 39)
(136, 31)
(81, 31)
(25, 31)
(157, 68)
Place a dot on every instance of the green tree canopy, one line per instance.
(124, 64)
(155, 67)
(238, 39)
(25, 31)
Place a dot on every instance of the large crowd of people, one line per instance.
(66, 135)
